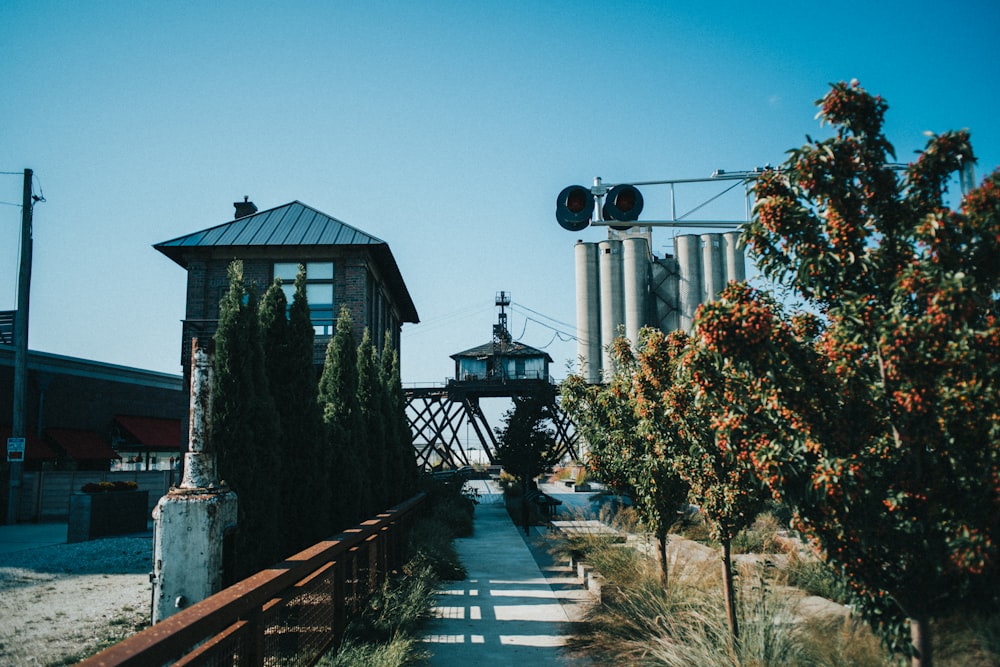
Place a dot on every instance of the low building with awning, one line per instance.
(147, 443)
(81, 449)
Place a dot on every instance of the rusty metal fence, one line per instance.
(288, 615)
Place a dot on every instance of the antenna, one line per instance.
(500, 332)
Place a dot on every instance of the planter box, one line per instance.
(112, 513)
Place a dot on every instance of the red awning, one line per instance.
(151, 432)
(35, 449)
(81, 445)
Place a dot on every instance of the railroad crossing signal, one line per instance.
(618, 206)
(576, 204)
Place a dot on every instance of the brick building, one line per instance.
(344, 266)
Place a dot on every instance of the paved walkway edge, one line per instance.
(507, 611)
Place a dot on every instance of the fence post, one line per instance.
(255, 644)
(374, 571)
(339, 603)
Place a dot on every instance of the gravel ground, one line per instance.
(60, 604)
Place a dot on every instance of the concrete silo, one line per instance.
(622, 287)
(612, 295)
(588, 312)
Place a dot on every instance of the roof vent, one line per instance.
(244, 208)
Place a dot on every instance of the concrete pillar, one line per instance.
(193, 522)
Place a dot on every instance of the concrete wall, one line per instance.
(45, 495)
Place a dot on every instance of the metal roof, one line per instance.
(512, 349)
(292, 225)
(45, 362)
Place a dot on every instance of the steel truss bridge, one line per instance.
(437, 416)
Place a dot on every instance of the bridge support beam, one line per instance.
(437, 416)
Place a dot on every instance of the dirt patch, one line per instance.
(62, 603)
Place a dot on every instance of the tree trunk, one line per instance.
(729, 591)
(920, 635)
(661, 556)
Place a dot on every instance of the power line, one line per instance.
(524, 329)
(569, 336)
(446, 319)
(40, 197)
(565, 324)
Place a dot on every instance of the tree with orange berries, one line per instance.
(681, 405)
(657, 429)
(623, 457)
(877, 420)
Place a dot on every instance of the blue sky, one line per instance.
(445, 128)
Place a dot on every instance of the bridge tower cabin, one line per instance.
(501, 368)
(502, 364)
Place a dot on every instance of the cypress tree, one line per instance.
(393, 464)
(369, 403)
(274, 344)
(292, 380)
(404, 473)
(245, 427)
(306, 433)
(338, 397)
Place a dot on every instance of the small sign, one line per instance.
(15, 450)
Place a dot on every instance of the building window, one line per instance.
(319, 291)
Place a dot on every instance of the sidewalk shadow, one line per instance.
(511, 610)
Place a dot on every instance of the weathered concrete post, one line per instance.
(191, 522)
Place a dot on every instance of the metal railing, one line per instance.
(289, 614)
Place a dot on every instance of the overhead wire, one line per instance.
(40, 197)
(445, 319)
(552, 328)
(35, 199)
(524, 329)
(530, 310)
(551, 340)
(564, 336)
(462, 313)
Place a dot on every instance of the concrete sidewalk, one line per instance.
(509, 610)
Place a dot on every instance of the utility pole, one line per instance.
(19, 423)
